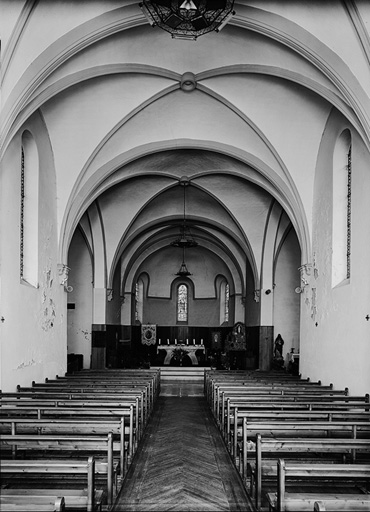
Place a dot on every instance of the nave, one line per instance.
(138, 440)
(182, 463)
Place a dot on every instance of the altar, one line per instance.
(191, 349)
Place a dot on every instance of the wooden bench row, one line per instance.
(89, 499)
(290, 418)
(300, 451)
(37, 446)
(16, 502)
(284, 500)
(100, 415)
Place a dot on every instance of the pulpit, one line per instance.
(191, 349)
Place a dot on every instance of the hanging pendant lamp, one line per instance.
(188, 19)
(185, 239)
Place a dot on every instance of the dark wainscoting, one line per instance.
(119, 346)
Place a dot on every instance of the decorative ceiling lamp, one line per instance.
(185, 239)
(188, 19)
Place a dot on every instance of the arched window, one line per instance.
(182, 303)
(29, 216)
(224, 301)
(139, 301)
(341, 233)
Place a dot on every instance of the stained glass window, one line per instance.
(224, 301)
(136, 301)
(341, 221)
(182, 303)
(227, 301)
(22, 215)
(29, 210)
(139, 300)
(349, 187)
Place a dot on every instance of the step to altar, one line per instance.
(182, 373)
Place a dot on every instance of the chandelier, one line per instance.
(185, 239)
(188, 19)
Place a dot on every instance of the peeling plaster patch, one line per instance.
(313, 306)
(24, 365)
(48, 312)
(86, 334)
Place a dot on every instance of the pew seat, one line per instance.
(349, 503)
(332, 482)
(36, 475)
(31, 503)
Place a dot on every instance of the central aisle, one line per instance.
(182, 463)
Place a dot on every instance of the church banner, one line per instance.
(148, 334)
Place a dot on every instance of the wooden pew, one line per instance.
(335, 474)
(120, 426)
(300, 450)
(101, 447)
(125, 398)
(8, 404)
(149, 382)
(348, 504)
(240, 421)
(223, 407)
(87, 500)
(148, 386)
(291, 400)
(35, 502)
(292, 415)
(70, 427)
(253, 378)
(120, 389)
(217, 387)
(285, 428)
(153, 374)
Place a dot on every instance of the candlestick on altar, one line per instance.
(159, 341)
(187, 341)
(201, 341)
(193, 341)
(175, 341)
(168, 341)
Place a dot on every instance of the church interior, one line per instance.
(184, 206)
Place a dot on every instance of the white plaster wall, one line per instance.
(336, 346)
(161, 268)
(203, 264)
(33, 341)
(48, 22)
(80, 318)
(342, 36)
(286, 319)
(80, 118)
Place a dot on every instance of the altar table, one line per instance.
(191, 349)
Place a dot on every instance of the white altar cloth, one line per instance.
(191, 349)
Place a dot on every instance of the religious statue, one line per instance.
(278, 359)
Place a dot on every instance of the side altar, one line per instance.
(190, 349)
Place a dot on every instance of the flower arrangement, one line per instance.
(179, 353)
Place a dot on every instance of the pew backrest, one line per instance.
(47, 467)
(356, 472)
(293, 448)
(96, 444)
